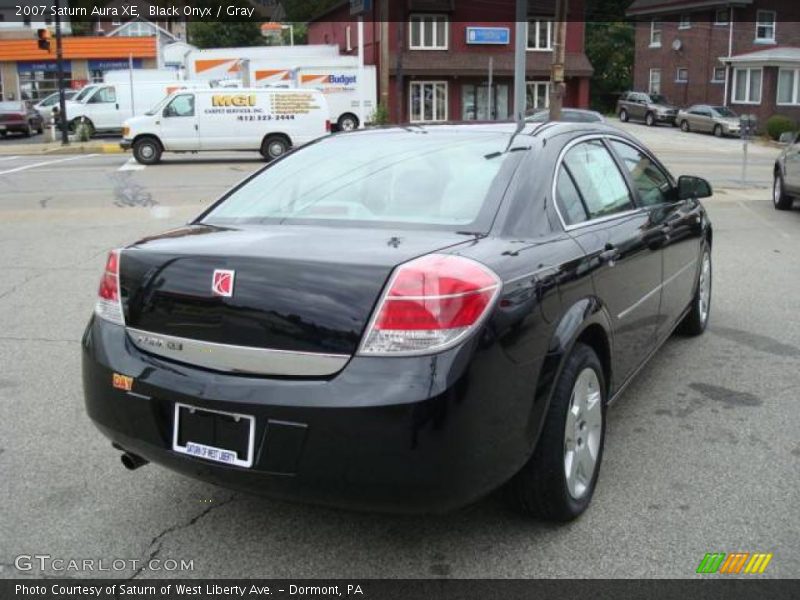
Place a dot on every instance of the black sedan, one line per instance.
(19, 117)
(403, 319)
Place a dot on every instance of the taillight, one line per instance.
(327, 125)
(109, 304)
(431, 304)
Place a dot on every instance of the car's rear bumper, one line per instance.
(399, 434)
(666, 118)
(14, 127)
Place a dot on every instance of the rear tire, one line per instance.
(696, 320)
(555, 484)
(28, 131)
(685, 126)
(623, 115)
(650, 119)
(780, 199)
(147, 151)
(347, 122)
(275, 146)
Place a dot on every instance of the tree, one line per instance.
(304, 10)
(221, 34)
(610, 49)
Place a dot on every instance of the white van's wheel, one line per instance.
(275, 146)
(347, 122)
(147, 150)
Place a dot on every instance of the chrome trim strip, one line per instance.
(659, 287)
(245, 360)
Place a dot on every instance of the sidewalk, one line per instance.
(46, 148)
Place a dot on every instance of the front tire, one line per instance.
(696, 320)
(780, 199)
(650, 119)
(718, 131)
(623, 115)
(28, 131)
(558, 481)
(685, 126)
(147, 151)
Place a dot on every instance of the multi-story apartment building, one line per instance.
(743, 54)
(440, 52)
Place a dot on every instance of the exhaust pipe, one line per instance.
(132, 461)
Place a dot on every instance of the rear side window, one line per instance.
(430, 179)
(569, 199)
(599, 181)
(651, 182)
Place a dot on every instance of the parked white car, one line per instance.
(270, 121)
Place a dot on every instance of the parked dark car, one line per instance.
(650, 108)
(403, 319)
(19, 117)
(786, 176)
(568, 115)
(719, 120)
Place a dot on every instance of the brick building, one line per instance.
(440, 52)
(743, 54)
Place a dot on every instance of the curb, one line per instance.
(57, 148)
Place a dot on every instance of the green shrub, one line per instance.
(778, 124)
(381, 115)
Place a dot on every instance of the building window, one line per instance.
(538, 95)
(428, 101)
(655, 34)
(789, 86)
(428, 32)
(718, 75)
(35, 85)
(655, 81)
(685, 22)
(765, 26)
(722, 16)
(682, 75)
(540, 34)
(747, 86)
(477, 100)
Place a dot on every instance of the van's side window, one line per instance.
(104, 95)
(181, 106)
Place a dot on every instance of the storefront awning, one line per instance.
(463, 64)
(79, 47)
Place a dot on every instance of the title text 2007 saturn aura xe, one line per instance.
(403, 319)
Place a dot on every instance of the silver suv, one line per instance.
(650, 108)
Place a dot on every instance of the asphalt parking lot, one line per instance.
(702, 453)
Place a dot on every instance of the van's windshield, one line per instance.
(84, 92)
(159, 105)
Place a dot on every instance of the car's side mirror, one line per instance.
(693, 187)
(789, 137)
(169, 112)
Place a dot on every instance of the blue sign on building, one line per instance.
(113, 64)
(488, 35)
(49, 66)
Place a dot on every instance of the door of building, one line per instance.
(475, 102)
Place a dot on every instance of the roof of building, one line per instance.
(775, 56)
(80, 47)
(653, 7)
(473, 64)
(120, 31)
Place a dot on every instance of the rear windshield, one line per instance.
(11, 106)
(723, 111)
(441, 181)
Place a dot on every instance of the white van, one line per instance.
(107, 105)
(270, 121)
(340, 86)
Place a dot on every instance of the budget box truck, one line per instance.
(271, 121)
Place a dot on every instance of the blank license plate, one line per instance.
(214, 435)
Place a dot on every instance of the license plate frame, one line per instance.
(209, 452)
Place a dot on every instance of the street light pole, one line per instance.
(557, 86)
(62, 101)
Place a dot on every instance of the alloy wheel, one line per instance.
(777, 190)
(582, 433)
(704, 295)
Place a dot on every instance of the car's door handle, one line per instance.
(609, 255)
(117, 105)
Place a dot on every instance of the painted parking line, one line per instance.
(132, 165)
(45, 163)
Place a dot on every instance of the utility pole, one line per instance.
(62, 101)
(520, 49)
(384, 73)
(557, 86)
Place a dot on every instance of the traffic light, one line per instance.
(44, 39)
